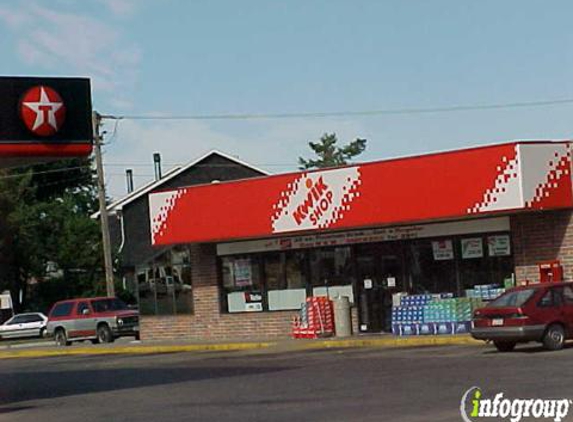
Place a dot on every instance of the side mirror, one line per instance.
(85, 312)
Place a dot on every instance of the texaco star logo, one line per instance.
(42, 110)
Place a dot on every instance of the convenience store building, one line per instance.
(435, 223)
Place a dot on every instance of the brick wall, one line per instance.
(207, 322)
(542, 236)
(536, 237)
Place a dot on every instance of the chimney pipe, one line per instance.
(129, 179)
(157, 165)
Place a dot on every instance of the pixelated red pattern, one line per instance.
(436, 186)
(556, 192)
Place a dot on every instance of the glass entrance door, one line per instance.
(379, 273)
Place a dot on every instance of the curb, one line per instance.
(391, 342)
(396, 342)
(134, 350)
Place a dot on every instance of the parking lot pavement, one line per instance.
(422, 384)
(24, 343)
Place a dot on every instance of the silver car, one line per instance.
(24, 325)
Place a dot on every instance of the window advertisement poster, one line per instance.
(243, 273)
(472, 248)
(499, 245)
(253, 302)
(443, 250)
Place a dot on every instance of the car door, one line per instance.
(12, 327)
(84, 324)
(568, 309)
(34, 325)
(551, 305)
(29, 327)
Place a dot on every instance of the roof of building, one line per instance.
(171, 174)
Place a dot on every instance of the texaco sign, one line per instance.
(44, 118)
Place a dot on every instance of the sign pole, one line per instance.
(110, 288)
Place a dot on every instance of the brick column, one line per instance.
(542, 236)
(205, 283)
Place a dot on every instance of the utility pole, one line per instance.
(98, 138)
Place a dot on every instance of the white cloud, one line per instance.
(119, 8)
(52, 40)
(13, 18)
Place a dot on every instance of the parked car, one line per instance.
(541, 313)
(99, 319)
(24, 325)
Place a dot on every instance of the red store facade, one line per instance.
(444, 222)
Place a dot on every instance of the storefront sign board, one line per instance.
(445, 186)
(497, 224)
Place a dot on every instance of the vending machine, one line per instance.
(550, 271)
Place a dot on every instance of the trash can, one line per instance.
(342, 318)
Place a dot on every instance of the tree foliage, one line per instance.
(45, 225)
(329, 154)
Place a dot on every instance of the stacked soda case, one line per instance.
(415, 300)
(433, 314)
(316, 319)
(485, 291)
(451, 310)
(408, 314)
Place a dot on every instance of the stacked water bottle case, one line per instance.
(433, 314)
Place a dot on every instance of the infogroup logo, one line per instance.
(474, 407)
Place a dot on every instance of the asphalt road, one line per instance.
(424, 384)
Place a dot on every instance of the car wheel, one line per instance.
(61, 338)
(504, 346)
(104, 334)
(554, 337)
(42, 332)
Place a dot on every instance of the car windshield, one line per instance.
(514, 299)
(106, 305)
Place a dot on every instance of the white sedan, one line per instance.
(24, 325)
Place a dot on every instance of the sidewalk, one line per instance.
(263, 346)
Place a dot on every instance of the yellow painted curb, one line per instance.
(395, 342)
(140, 350)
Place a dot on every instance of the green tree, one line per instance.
(45, 218)
(329, 154)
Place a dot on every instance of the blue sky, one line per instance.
(212, 57)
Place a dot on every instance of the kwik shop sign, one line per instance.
(316, 200)
(45, 117)
(453, 185)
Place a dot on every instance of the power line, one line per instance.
(34, 173)
(364, 113)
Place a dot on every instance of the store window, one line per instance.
(285, 280)
(431, 266)
(242, 284)
(485, 260)
(164, 286)
(332, 272)
(181, 286)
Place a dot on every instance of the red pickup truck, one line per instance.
(98, 319)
